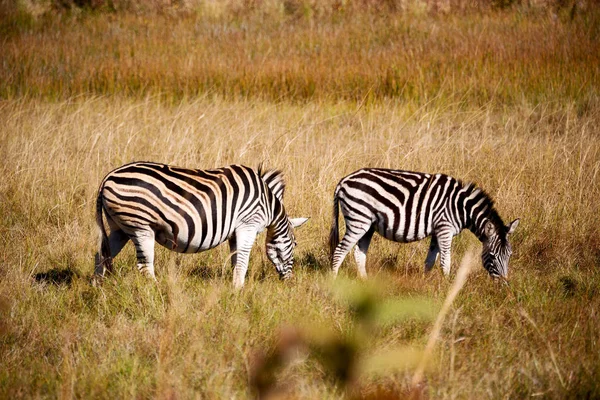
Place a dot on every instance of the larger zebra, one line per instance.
(406, 206)
(191, 210)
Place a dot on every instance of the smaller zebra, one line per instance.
(406, 206)
(192, 210)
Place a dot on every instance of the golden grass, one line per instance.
(451, 61)
(191, 334)
(521, 121)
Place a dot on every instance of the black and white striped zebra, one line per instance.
(190, 210)
(407, 206)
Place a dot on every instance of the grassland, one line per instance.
(506, 99)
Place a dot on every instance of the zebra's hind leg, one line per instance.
(144, 248)
(117, 240)
(360, 252)
(244, 240)
(444, 243)
(432, 255)
(351, 237)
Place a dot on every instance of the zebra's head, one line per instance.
(496, 248)
(280, 247)
(280, 237)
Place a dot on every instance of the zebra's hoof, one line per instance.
(96, 280)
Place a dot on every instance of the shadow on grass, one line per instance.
(56, 276)
(392, 263)
(204, 273)
(314, 263)
(389, 262)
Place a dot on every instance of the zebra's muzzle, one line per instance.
(286, 276)
(499, 279)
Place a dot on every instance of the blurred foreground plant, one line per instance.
(347, 357)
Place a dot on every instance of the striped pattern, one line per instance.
(407, 206)
(189, 211)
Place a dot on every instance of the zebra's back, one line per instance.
(402, 205)
(189, 210)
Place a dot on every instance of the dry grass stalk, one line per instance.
(466, 265)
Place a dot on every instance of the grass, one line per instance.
(522, 122)
(450, 61)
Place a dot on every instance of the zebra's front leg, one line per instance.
(360, 252)
(244, 240)
(144, 248)
(432, 255)
(444, 242)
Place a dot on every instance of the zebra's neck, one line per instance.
(278, 224)
(479, 209)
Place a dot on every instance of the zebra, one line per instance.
(192, 210)
(406, 206)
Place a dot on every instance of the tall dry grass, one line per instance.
(506, 100)
(449, 61)
(191, 335)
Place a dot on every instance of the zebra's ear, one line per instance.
(489, 229)
(510, 228)
(296, 222)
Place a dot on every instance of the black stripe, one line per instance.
(426, 189)
(129, 206)
(408, 209)
(436, 188)
(134, 216)
(170, 186)
(199, 205)
(402, 176)
(453, 195)
(376, 176)
(234, 196)
(461, 205)
(354, 220)
(374, 211)
(245, 183)
(384, 185)
(145, 202)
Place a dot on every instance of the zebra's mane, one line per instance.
(274, 180)
(490, 213)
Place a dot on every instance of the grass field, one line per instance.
(507, 99)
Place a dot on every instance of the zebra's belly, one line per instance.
(183, 243)
(399, 234)
(409, 238)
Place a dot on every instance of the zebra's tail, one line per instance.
(334, 235)
(103, 258)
